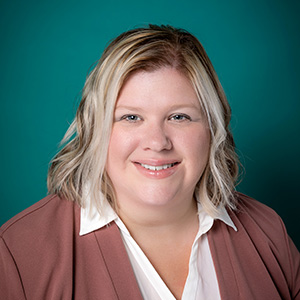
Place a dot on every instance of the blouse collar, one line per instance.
(91, 219)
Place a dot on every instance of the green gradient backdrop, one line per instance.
(48, 46)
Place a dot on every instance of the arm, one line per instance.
(11, 287)
(294, 263)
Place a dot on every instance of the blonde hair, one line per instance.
(78, 169)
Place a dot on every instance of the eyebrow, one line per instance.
(127, 107)
(172, 107)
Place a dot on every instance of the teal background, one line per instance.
(47, 48)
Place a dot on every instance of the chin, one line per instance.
(157, 198)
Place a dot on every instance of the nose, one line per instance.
(156, 138)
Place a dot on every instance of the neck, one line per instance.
(159, 221)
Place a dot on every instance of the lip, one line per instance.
(157, 174)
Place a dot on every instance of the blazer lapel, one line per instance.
(241, 270)
(222, 263)
(117, 262)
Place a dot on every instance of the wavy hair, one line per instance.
(78, 170)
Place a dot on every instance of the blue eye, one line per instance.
(180, 117)
(131, 118)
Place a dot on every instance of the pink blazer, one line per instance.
(42, 256)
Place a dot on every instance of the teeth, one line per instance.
(157, 168)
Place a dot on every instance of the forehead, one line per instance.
(155, 88)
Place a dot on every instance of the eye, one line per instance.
(180, 117)
(130, 118)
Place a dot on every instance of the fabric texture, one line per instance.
(42, 256)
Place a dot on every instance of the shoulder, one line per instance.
(260, 245)
(36, 250)
(251, 207)
(259, 223)
(250, 211)
(260, 226)
(38, 219)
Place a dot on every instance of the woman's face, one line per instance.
(160, 140)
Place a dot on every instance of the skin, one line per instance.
(158, 122)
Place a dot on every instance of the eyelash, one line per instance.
(183, 117)
(126, 118)
(134, 118)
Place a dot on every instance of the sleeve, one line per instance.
(296, 270)
(11, 287)
(294, 262)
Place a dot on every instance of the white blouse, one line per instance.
(201, 282)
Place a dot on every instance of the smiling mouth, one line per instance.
(158, 168)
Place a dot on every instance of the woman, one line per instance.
(142, 202)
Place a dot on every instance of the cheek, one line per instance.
(121, 144)
(203, 143)
(197, 147)
(196, 141)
